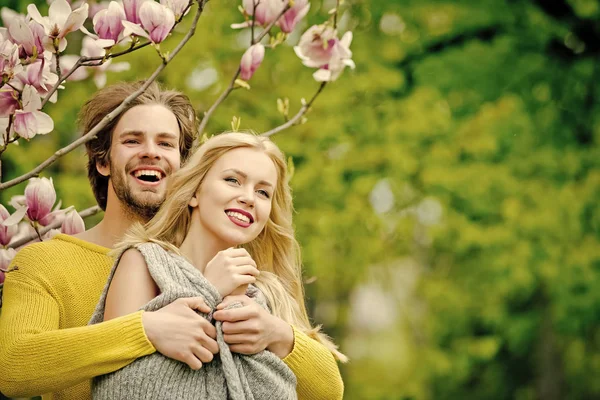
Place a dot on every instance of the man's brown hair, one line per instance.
(106, 100)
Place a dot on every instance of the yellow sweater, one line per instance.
(47, 347)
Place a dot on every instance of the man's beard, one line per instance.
(138, 208)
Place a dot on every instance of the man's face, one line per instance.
(144, 151)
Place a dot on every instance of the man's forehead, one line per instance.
(147, 119)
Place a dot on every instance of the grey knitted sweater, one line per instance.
(229, 376)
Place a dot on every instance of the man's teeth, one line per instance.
(147, 172)
(239, 216)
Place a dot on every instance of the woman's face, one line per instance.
(235, 198)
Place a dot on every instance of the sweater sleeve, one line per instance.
(315, 368)
(37, 357)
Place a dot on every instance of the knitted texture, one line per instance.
(45, 347)
(229, 376)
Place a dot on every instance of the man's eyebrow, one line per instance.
(243, 175)
(134, 133)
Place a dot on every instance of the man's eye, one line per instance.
(130, 141)
(167, 144)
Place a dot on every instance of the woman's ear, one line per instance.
(193, 202)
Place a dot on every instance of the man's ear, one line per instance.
(104, 170)
(193, 202)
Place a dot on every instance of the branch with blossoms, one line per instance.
(319, 48)
(34, 67)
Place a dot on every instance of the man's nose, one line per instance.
(149, 150)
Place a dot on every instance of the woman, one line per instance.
(226, 224)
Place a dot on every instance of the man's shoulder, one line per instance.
(58, 251)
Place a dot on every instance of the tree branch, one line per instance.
(298, 115)
(88, 212)
(115, 113)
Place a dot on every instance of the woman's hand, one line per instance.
(231, 270)
(250, 329)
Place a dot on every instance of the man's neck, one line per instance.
(111, 229)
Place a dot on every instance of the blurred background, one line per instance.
(447, 190)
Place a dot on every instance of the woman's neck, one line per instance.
(199, 246)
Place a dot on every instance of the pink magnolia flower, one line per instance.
(108, 22)
(10, 65)
(30, 121)
(157, 21)
(132, 10)
(6, 256)
(39, 198)
(6, 232)
(9, 102)
(28, 34)
(251, 60)
(60, 21)
(177, 6)
(266, 12)
(320, 48)
(73, 223)
(38, 75)
(291, 17)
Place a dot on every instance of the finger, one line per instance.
(193, 362)
(210, 344)
(232, 328)
(244, 280)
(196, 303)
(243, 349)
(202, 354)
(247, 269)
(234, 314)
(237, 339)
(233, 252)
(228, 300)
(243, 261)
(209, 329)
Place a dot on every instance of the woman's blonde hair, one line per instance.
(275, 250)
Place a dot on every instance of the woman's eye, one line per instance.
(264, 193)
(232, 180)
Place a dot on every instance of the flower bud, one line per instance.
(39, 197)
(177, 6)
(251, 60)
(107, 22)
(73, 223)
(291, 17)
(157, 20)
(132, 10)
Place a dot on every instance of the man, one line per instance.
(47, 346)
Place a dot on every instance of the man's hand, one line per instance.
(251, 329)
(178, 332)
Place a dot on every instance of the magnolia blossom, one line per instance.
(157, 21)
(28, 34)
(108, 22)
(177, 6)
(38, 75)
(6, 232)
(320, 48)
(39, 198)
(73, 223)
(264, 11)
(9, 102)
(291, 17)
(6, 256)
(30, 121)
(132, 10)
(60, 21)
(10, 65)
(251, 60)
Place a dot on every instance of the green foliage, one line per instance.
(486, 110)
